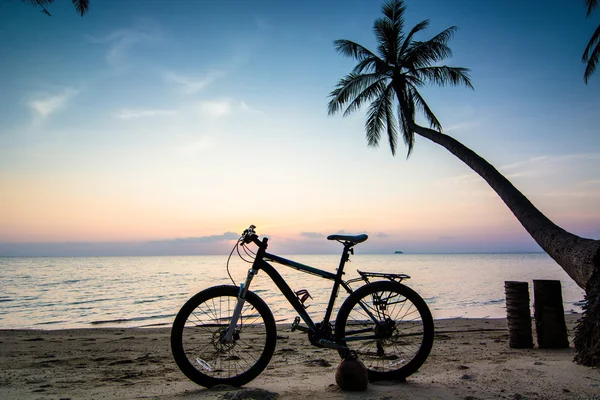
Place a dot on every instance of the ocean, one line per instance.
(87, 292)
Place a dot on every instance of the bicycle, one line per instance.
(227, 334)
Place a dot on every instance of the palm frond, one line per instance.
(391, 124)
(406, 113)
(349, 48)
(386, 39)
(417, 28)
(590, 5)
(348, 89)
(366, 95)
(367, 60)
(394, 11)
(82, 6)
(373, 64)
(422, 54)
(377, 117)
(414, 80)
(40, 3)
(591, 56)
(422, 105)
(444, 75)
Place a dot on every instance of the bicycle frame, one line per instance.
(260, 264)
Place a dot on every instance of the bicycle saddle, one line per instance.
(349, 238)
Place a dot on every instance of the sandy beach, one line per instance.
(470, 359)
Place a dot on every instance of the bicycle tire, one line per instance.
(201, 322)
(394, 349)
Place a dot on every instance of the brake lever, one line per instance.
(247, 235)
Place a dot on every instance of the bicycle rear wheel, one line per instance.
(203, 321)
(390, 328)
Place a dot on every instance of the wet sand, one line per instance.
(470, 359)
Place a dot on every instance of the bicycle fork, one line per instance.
(228, 338)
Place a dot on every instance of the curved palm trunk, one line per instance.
(579, 257)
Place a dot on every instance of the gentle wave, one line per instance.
(128, 320)
(75, 292)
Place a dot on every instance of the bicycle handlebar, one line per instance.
(250, 236)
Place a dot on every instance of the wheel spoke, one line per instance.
(396, 344)
(202, 325)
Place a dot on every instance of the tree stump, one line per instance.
(518, 315)
(549, 315)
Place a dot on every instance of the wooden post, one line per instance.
(549, 315)
(518, 315)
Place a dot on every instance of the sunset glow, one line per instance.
(135, 126)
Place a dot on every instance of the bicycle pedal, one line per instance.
(295, 323)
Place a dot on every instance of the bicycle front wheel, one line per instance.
(202, 322)
(390, 328)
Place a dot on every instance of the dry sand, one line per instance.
(470, 359)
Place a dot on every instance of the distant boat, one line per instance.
(398, 252)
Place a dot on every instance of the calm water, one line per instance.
(54, 293)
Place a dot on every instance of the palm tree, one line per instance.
(390, 79)
(81, 6)
(590, 56)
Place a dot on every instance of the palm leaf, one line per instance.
(82, 6)
(349, 88)
(377, 117)
(417, 28)
(422, 54)
(366, 95)
(591, 56)
(367, 60)
(384, 31)
(422, 105)
(444, 75)
(406, 112)
(351, 49)
(590, 5)
(394, 24)
(40, 3)
(391, 124)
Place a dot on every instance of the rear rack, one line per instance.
(364, 276)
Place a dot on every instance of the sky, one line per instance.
(167, 127)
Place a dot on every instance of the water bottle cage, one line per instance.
(302, 296)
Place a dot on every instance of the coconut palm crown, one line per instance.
(591, 54)
(391, 77)
(389, 82)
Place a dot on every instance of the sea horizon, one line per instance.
(287, 254)
(144, 291)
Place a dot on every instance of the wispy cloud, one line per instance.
(533, 166)
(220, 108)
(461, 126)
(246, 108)
(566, 176)
(216, 108)
(201, 239)
(197, 146)
(46, 105)
(122, 41)
(312, 235)
(191, 84)
(143, 113)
